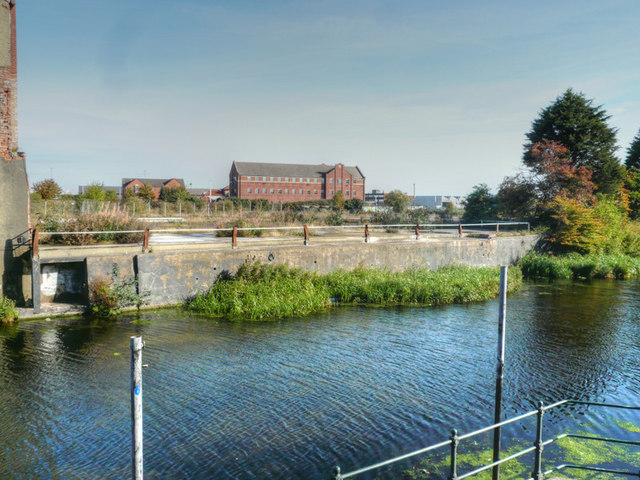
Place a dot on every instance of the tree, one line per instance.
(354, 205)
(338, 200)
(111, 196)
(397, 201)
(573, 121)
(517, 198)
(94, 192)
(556, 174)
(147, 193)
(174, 194)
(48, 189)
(479, 205)
(633, 153)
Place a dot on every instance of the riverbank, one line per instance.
(263, 292)
(620, 266)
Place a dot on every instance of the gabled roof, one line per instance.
(155, 182)
(290, 169)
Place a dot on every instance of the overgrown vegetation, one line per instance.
(107, 219)
(580, 266)
(259, 292)
(107, 297)
(8, 312)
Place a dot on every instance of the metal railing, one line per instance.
(457, 229)
(537, 447)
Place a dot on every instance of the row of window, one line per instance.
(293, 192)
(295, 179)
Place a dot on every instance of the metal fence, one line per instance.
(537, 447)
(365, 230)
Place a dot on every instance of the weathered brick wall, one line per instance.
(8, 82)
(14, 187)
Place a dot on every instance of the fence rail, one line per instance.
(456, 229)
(538, 447)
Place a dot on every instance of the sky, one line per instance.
(436, 94)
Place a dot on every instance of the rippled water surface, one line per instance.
(290, 399)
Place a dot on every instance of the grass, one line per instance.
(260, 292)
(615, 265)
(8, 312)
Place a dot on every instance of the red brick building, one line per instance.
(156, 183)
(283, 182)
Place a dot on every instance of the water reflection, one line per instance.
(289, 399)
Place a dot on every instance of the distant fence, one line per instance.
(366, 231)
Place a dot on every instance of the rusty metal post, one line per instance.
(497, 227)
(460, 230)
(145, 247)
(35, 242)
(366, 233)
(417, 231)
(306, 235)
(234, 238)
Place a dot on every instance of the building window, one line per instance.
(355, 181)
(248, 190)
(322, 180)
(264, 190)
(347, 192)
(271, 191)
(272, 179)
(315, 192)
(347, 181)
(331, 180)
(279, 190)
(330, 192)
(286, 191)
(354, 192)
(339, 180)
(308, 192)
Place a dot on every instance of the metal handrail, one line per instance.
(297, 227)
(538, 446)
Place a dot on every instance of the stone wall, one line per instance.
(172, 276)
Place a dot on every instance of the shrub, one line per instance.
(579, 266)
(107, 297)
(335, 218)
(8, 312)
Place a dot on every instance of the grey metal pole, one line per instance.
(136, 408)
(499, 370)
(537, 467)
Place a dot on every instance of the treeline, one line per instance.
(572, 186)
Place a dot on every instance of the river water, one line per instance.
(290, 399)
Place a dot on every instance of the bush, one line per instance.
(8, 312)
(259, 292)
(579, 266)
(335, 219)
(107, 297)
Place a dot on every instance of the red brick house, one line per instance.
(283, 182)
(156, 184)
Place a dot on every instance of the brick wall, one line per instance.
(8, 83)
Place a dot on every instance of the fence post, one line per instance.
(366, 233)
(497, 418)
(453, 474)
(497, 227)
(180, 208)
(136, 407)
(417, 231)
(537, 467)
(234, 238)
(460, 230)
(146, 240)
(165, 209)
(35, 270)
(306, 235)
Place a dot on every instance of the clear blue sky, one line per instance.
(436, 93)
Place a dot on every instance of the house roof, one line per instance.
(290, 169)
(155, 182)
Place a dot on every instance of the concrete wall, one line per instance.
(172, 276)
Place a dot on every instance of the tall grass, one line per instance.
(8, 312)
(615, 265)
(258, 292)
